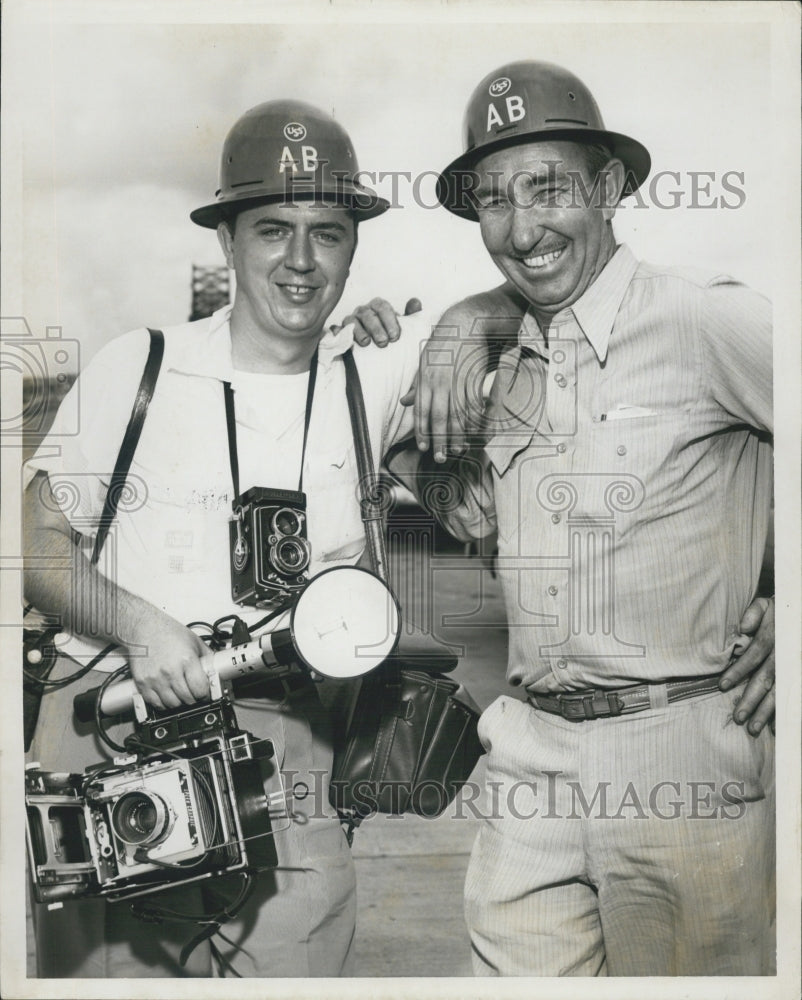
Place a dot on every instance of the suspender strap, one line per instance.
(369, 487)
(231, 426)
(130, 440)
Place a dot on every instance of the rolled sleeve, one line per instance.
(736, 329)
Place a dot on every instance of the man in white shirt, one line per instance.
(286, 216)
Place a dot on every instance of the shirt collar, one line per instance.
(595, 311)
(209, 352)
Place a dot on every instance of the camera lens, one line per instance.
(140, 818)
(291, 555)
(286, 522)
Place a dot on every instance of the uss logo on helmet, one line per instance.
(499, 87)
(308, 162)
(294, 131)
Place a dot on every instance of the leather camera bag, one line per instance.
(411, 742)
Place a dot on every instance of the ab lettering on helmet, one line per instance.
(309, 160)
(515, 111)
(278, 145)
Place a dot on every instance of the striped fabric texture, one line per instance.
(630, 459)
(636, 846)
(630, 456)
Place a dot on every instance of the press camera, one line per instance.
(188, 803)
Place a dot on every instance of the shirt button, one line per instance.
(562, 664)
(561, 381)
(553, 590)
(621, 450)
(555, 518)
(561, 448)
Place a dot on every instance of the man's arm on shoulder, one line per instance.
(462, 348)
(169, 673)
(377, 323)
(465, 345)
(458, 493)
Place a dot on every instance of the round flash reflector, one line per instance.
(345, 623)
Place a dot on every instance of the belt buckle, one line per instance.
(589, 705)
(572, 707)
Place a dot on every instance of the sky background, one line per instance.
(123, 123)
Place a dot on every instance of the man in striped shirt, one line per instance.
(626, 468)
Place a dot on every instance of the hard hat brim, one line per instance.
(453, 195)
(362, 202)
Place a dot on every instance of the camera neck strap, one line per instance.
(231, 427)
(370, 490)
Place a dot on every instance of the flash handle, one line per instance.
(273, 651)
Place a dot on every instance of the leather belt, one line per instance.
(601, 703)
(272, 688)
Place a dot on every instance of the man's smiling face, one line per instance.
(543, 222)
(291, 262)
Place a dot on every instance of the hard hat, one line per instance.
(526, 102)
(284, 151)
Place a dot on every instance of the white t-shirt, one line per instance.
(170, 539)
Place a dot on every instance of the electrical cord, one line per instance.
(222, 963)
(269, 617)
(210, 922)
(71, 678)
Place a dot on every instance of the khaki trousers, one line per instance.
(636, 846)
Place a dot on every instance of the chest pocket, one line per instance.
(183, 452)
(647, 445)
(657, 432)
(184, 476)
